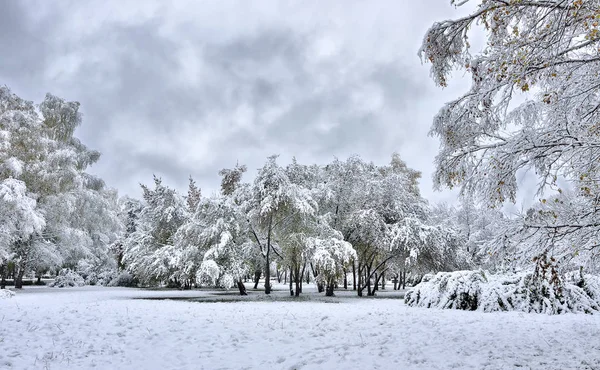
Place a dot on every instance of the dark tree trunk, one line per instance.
(329, 290)
(257, 278)
(353, 275)
(378, 279)
(307, 277)
(291, 283)
(267, 276)
(345, 279)
(267, 259)
(298, 279)
(19, 279)
(359, 286)
(3, 277)
(242, 287)
(404, 279)
(320, 287)
(302, 275)
(278, 275)
(383, 280)
(395, 281)
(376, 286)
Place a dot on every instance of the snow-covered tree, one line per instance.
(150, 252)
(193, 196)
(533, 105)
(273, 203)
(379, 210)
(39, 149)
(216, 235)
(555, 226)
(21, 225)
(330, 256)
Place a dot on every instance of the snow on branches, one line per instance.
(533, 106)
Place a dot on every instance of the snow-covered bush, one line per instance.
(526, 292)
(226, 281)
(208, 273)
(68, 278)
(124, 279)
(5, 294)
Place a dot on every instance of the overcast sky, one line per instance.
(187, 88)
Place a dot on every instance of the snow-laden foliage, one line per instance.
(208, 273)
(149, 252)
(124, 279)
(379, 210)
(20, 220)
(216, 232)
(475, 228)
(72, 216)
(328, 221)
(535, 291)
(273, 205)
(560, 225)
(330, 256)
(533, 105)
(67, 278)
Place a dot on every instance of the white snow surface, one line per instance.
(108, 328)
(5, 294)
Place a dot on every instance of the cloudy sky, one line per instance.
(187, 88)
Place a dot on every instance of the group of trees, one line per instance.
(327, 222)
(52, 213)
(347, 217)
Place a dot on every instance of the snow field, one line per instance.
(107, 328)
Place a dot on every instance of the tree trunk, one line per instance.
(257, 278)
(376, 286)
(307, 277)
(320, 287)
(359, 286)
(404, 279)
(329, 290)
(353, 275)
(268, 261)
(242, 287)
(3, 269)
(298, 279)
(383, 280)
(377, 280)
(291, 283)
(370, 291)
(267, 275)
(278, 275)
(302, 275)
(19, 279)
(345, 279)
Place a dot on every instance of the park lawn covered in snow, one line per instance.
(111, 328)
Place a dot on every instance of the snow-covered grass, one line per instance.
(111, 328)
(5, 294)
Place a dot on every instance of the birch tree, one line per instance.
(533, 105)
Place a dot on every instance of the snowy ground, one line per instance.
(110, 328)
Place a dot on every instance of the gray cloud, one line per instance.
(194, 87)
